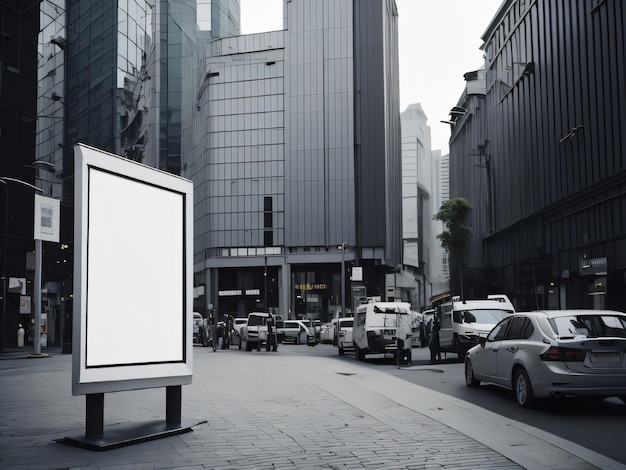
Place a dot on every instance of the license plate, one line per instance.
(606, 357)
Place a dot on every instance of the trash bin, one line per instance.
(20, 337)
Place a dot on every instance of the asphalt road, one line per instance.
(595, 424)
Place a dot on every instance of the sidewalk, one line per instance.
(268, 410)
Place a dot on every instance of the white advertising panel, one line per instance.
(133, 275)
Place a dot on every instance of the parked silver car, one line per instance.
(297, 331)
(553, 353)
(344, 334)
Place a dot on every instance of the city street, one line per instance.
(299, 407)
(595, 424)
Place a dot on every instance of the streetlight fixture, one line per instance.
(5, 181)
(343, 247)
(38, 250)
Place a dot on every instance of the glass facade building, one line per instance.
(297, 162)
(292, 137)
(117, 75)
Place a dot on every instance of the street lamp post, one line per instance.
(37, 288)
(5, 181)
(342, 247)
(4, 265)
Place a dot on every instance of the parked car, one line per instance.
(296, 331)
(327, 332)
(200, 330)
(553, 353)
(279, 323)
(254, 334)
(317, 328)
(238, 324)
(344, 334)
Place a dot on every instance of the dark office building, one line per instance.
(540, 155)
(18, 107)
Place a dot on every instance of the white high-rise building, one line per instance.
(440, 270)
(417, 202)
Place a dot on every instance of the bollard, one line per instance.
(20, 337)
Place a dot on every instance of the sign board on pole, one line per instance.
(47, 218)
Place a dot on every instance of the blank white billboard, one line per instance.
(133, 275)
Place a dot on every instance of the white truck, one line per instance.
(382, 330)
(462, 323)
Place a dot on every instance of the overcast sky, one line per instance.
(439, 42)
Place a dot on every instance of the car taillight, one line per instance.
(564, 354)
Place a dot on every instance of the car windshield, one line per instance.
(390, 310)
(589, 325)
(490, 316)
(256, 320)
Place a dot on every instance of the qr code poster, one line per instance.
(47, 218)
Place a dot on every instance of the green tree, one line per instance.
(456, 235)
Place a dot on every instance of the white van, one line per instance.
(462, 323)
(254, 333)
(379, 327)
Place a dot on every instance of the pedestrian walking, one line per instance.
(433, 341)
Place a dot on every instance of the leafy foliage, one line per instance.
(456, 235)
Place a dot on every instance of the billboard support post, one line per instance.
(173, 404)
(94, 415)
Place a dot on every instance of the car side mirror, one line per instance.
(483, 341)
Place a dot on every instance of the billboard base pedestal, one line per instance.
(125, 434)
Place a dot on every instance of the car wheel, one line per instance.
(523, 389)
(360, 354)
(470, 380)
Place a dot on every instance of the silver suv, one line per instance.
(254, 333)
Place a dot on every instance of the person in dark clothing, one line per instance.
(213, 329)
(271, 335)
(433, 341)
(228, 329)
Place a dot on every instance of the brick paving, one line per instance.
(264, 411)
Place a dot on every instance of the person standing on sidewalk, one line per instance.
(228, 329)
(213, 329)
(271, 345)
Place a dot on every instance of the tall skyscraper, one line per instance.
(298, 161)
(119, 76)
